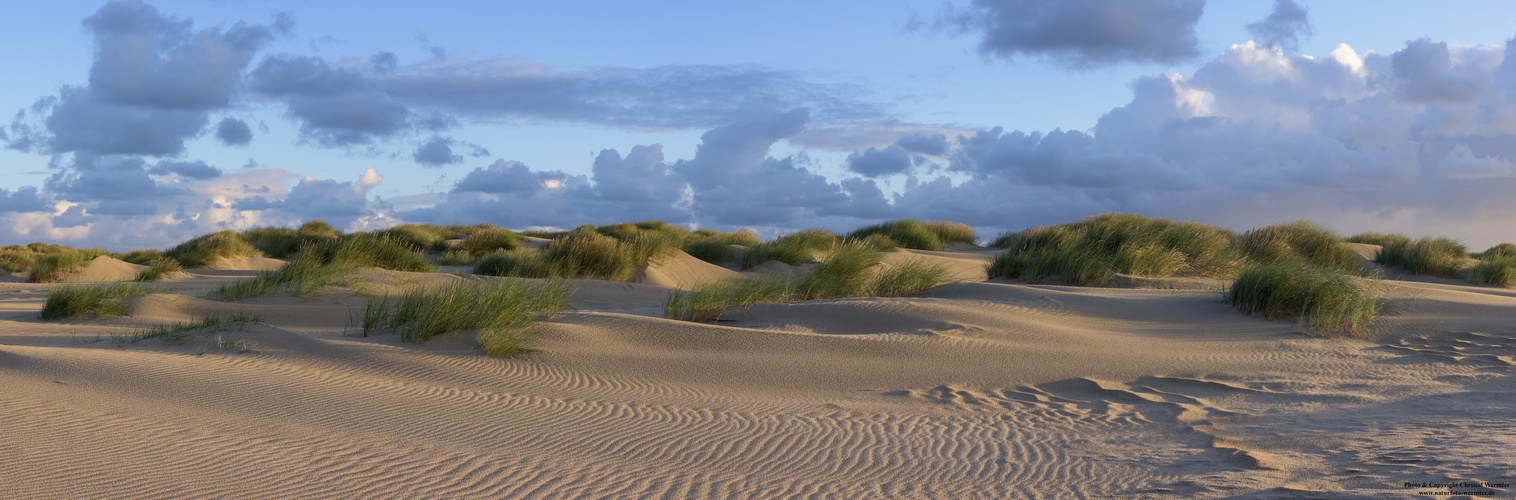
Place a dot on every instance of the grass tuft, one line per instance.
(485, 240)
(794, 248)
(952, 232)
(56, 266)
(158, 269)
(1325, 299)
(177, 333)
(907, 233)
(77, 301)
(201, 252)
(1435, 256)
(1299, 240)
(323, 263)
(501, 312)
(1092, 251)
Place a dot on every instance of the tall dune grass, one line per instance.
(1093, 250)
(1497, 266)
(323, 263)
(1299, 240)
(201, 252)
(157, 269)
(848, 272)
(1435, 256)
(1323, 298)
(100, 300)
(501, 312)
(907, 233)
(56, 266)
(482, 241)
(952, 232)
(794, 248)
(715, 248)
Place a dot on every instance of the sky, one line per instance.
(131, 124)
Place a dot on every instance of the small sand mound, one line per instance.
(680, 270)
(247, 264)
(105, 268)
(960, 266)
(534, 242)
(7, 277)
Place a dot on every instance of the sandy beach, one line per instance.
(977, 389)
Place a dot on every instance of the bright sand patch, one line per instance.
(247, 264)
(976, 390)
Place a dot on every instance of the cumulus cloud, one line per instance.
(872, 162)
(153, 83)
(24, 199)
(350, 103)
(926, 144)
(192, 169)
(233, 132)
(438, 151)
(339, 203)
(1284, 27)
(1081, 33)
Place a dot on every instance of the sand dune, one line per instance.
(975, 390)
(680, 270)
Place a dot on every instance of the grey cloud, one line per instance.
(233, 132)
(1284, 27)
(23, 199)
(873, 162)
(339, 203)
(83, 122)
(194, 170)
(436, 152)
(505, 177)
(73, 217)
(1424, 71)
(153, 83)
(1082, 33)
(638, 186)
(934, 144)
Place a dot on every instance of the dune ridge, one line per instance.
(975, 389)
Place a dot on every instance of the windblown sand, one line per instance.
(975, 390)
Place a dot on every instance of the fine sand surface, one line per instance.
(974, 390)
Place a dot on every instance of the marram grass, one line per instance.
(1326, 300)
(500, 312)
(75, 301)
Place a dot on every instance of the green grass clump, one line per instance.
(847, 272)
(501, 312)
(714, 247)
(486, 240)
(201, 252)
(1498, 270)
(592, 255)
(519, 263)
(1501, 250)
(76, 301)
(952, 232)
(418, 235)
(317, 230)
(158, 268)
(276, 242)
(1381, 239)
(1093, 250)
(1299, 240)
(844, 273)
(323, 263)
(907, 233)
(794, 248)
(1323, 298)
(55, 266)
(709, 301)
(908, 278)
(1435, 256)
(18, 258)
(139, 257)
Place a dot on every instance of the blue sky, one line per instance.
(140, 124)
